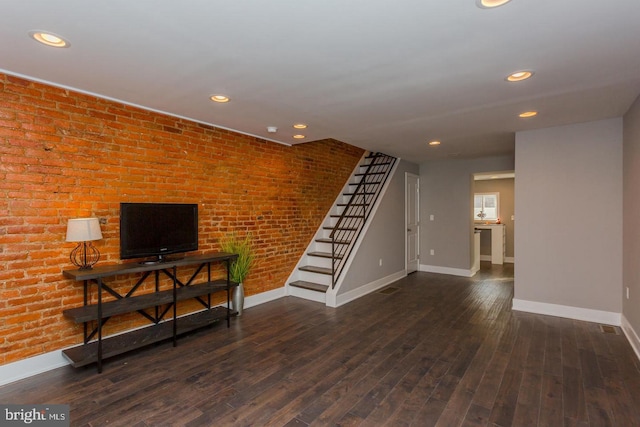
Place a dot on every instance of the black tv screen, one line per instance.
(157, 229)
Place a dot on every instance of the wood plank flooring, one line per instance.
(438, 351)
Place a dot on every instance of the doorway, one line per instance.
(497, 231)
(412, 222)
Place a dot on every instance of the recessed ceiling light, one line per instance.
(488, 4)
(527, 114)
(300, 126)
(434, 143)
(519, 76)
(298, 136)
(219, 98)
(49, 39)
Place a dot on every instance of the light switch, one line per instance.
(431, 217)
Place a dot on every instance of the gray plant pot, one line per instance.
(237, 300)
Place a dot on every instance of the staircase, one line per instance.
(321, 267)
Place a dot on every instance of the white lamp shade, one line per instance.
(83, 230)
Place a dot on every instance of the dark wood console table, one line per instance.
(96, 347)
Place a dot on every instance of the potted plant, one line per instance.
(239, 268)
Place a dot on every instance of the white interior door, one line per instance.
(412, 218)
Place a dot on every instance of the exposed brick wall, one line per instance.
(67, 155)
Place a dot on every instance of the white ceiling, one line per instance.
(382, 75)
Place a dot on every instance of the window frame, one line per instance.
(481, 220)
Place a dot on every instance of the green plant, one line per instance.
(239, 268)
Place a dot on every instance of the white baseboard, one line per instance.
(631, 335)
(342, 299)
(473, 271)
(447, 270)
(507, 259)
(577, 313)
(263, 297)
(25, 368)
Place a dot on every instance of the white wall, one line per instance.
(446, 192)
(569, 221)
(385, 237)
(631, 239)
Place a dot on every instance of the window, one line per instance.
(486, 206)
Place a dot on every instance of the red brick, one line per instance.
(65, 155)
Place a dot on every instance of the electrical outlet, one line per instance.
(432, 252)
(627, 292)
(431, 217)
(380, 262)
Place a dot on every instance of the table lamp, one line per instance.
(84, 231)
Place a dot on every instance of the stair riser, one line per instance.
(348, 221)
(307, 276)
(360, 205)
(308, 294)
(319, 261)
(327, 234)
(344, 199)
(326, 247)
(370, 183)
(322, 247)
(332, 221)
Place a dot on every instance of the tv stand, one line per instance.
(96, 347)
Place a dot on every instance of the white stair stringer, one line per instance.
(329, 297)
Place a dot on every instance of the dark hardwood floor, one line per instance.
(431, 350)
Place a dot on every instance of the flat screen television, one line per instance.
(157, 229)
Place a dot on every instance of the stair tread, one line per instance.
(366, 183)
(309, 285)
(314, 269)
(327, 240)
(375, 164)
(341, 228)
(324, 255)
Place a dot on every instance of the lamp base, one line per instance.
(84, 256)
